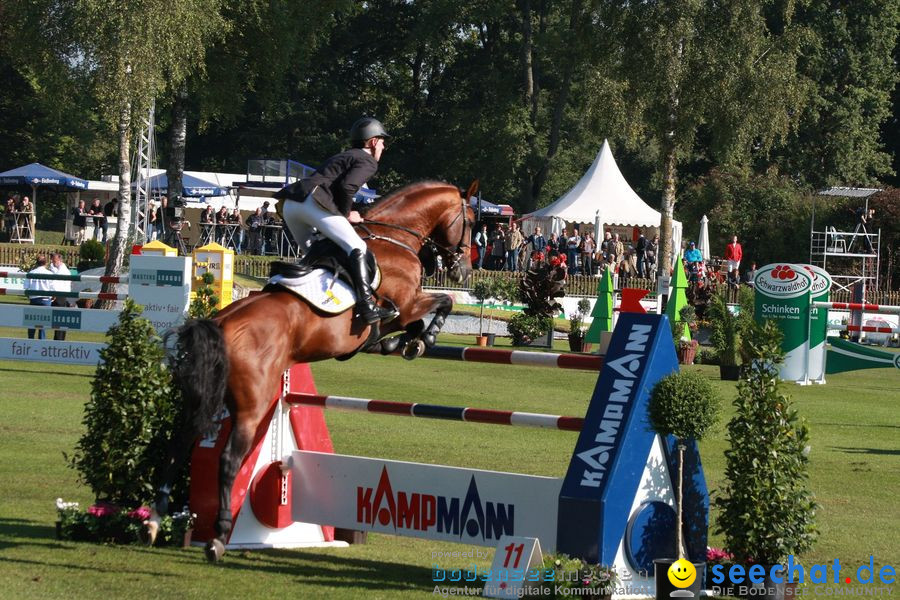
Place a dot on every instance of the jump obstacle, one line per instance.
(584, 362)
(436, 411)
(614, 506)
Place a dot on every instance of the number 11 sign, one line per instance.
(517, 565)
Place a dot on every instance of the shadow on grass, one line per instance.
(80, 564)
(878, 451)
(866, 425)
(45, 372)
(23, 528)
(325, 569)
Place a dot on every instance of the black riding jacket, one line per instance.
(336, 182)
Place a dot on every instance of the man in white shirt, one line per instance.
(39, 285)
(58, 267)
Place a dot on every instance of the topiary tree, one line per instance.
(684, 405)
(91, 255)
(129, 416)
(204, 305)
(766, 511)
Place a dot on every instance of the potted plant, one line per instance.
(576, 327)
(539, 290)
(483, 290)
(684, 347)
(576, 577)
(724, 338)
(524, 327)
(766, 511)
(686, 406)
(506, 289)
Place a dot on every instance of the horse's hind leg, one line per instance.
(233, 454)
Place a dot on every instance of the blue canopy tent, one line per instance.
(489, 208)
(191, 187)
(37, 175)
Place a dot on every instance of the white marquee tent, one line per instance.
(602, 197)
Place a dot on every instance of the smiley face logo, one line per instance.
(682, 573)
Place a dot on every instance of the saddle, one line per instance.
(322, 277)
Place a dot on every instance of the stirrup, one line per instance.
(371, 313)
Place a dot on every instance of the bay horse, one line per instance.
(235, 360)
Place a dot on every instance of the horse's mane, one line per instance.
(410, 192)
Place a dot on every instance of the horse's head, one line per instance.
(439, 216)
(452, 238)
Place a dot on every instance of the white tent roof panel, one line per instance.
(604, 191)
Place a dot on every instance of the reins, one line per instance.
(454, 254)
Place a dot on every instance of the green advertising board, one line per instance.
(783, 296)
(818, 323)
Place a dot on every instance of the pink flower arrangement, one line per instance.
(718, 555)
(103, 509)
(140, 514)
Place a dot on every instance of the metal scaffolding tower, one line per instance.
(852, 258)
(145, 159)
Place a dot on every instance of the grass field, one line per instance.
(855, 474)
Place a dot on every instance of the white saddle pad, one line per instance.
(323, 290)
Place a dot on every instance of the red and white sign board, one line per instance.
(260, 497)
(427, 501)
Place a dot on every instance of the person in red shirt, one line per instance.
(733, 254)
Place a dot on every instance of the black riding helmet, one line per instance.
(367, 128)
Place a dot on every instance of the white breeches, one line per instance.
(302, 217)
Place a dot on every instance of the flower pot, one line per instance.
(726, 588)
(687, 351)
(729, 372)
(491, 338)
(481, 340)
(576, 342)
(664, 587)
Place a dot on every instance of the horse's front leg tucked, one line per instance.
(440, 305)
(443, 306)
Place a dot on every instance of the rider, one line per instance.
(324, 201)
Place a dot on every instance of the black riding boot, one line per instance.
(365, 303)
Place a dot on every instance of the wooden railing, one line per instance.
(19, 255)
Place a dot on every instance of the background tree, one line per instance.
(133, 55)
(719, 76)
(850, 72)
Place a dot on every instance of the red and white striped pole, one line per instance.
(434, 411)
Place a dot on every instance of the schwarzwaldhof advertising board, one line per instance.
(782, 295)
(818, 323)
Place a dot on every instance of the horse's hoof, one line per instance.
(429, 339)
(413, 349)
(214, 550)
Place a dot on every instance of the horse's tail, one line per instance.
(200, 370)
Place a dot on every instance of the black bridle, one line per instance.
(453, 255)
